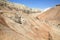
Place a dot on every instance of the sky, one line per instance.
(40, 4)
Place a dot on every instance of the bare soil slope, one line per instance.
(52, 18)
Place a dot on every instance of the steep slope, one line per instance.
(28, 31)
(52, 18)
(19, 25)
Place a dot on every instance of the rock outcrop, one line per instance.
(52, 18)
(17, 24)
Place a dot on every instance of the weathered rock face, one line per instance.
(16, 24)
(11, 30)
(52, 18)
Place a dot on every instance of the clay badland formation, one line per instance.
(18, 22)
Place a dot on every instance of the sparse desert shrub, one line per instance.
(58, 25)
(3, 2)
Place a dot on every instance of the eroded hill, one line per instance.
(52, 18)
(18, 23)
